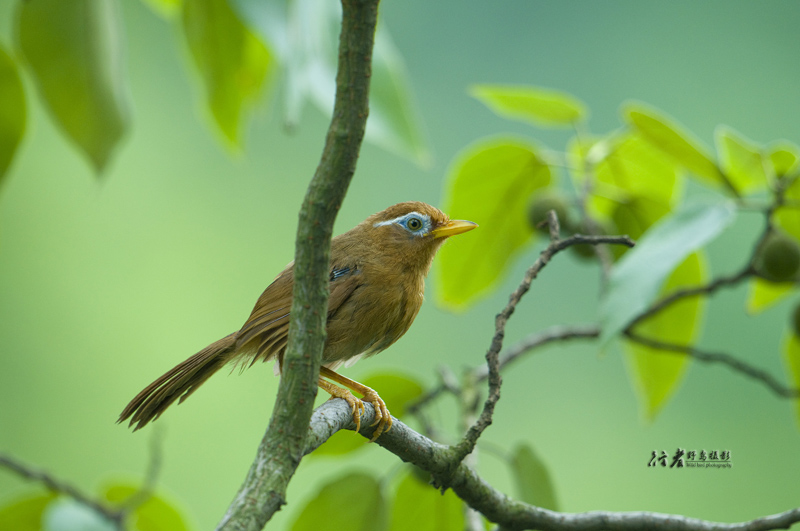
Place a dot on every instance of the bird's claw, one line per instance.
(383, 419)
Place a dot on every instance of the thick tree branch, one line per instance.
(510, 514)
(281, 449)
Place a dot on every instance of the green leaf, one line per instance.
(12, 111)
(635, 280)
(74, 50)
(491, 184)
(532, 478)
(154, 514)
(25, 513)
(534, 105)
(791, 356)
(763, 294)
(421, 507)
(340, 443)
(394, 121)
(233, 63)
(656, 374)
(741, 160)
(784, 157)
(668, 136)
(353, 502)
(397, 390)
(66, 514)
(788, 216)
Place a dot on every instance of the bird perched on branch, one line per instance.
(377, 278)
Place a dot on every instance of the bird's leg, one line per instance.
(355, 404)
(383, 418)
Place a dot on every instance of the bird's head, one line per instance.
(411, 232)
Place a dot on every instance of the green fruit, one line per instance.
(543, 203)
(779, 258)
(796, 320)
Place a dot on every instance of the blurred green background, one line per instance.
(105, 285)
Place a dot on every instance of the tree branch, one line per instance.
(281, 449)
(435, 458)
(467, 444)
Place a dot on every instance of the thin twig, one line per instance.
(115, 516)
(718, 357)
(467, 443)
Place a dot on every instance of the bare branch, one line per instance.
(719, 357)
(467, 444)
(115, 516)
(508, 513)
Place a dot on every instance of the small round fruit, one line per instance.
(796, 320)
(779, 258)
(543, 203)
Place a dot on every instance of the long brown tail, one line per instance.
(179, 382)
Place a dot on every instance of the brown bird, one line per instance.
(377, 280)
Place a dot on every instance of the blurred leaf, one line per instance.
(788, 216)
(75, 53)
(668, 136)
(155, 514)
(636, 215)
(535, 105)
(66, 514)
(396, 389)
(353, 502)
(491, 183)
(304, 34)
(532, 478)
(784, 157)
(421, 507)
(741, 160)
(635, 280)
(25, 513)
(791, 356)
(233, 63)
(165, 8)
(12, 111)
(763, 294)
(657, 373)
(394, 123)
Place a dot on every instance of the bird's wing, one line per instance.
(265, 334)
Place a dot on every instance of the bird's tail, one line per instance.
(178, 383)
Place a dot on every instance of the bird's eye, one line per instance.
(414, 224)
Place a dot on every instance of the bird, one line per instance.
(376, 286)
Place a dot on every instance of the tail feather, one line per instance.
(178, 383)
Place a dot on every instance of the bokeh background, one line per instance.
(106, 284)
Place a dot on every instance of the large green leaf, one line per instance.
(741, 160)
(668, 136)
(656, 374)
(531, 104)
(635, 280)
(154, 514)
(304, 35)
(233, 63)
(491, 184)
(763, 294)
(791, 356)
(25, 514)
(165, 8)
(353, 502)
(532, 478)
(12, 111)
(421, 507)
(75, 53)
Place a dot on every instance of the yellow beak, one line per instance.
(453, 227)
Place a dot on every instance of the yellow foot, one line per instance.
(383, 418)
(356, 405)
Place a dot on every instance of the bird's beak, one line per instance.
(453, 227)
